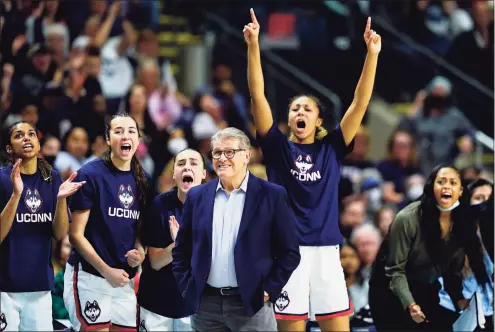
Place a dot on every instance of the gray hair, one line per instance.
(365, 228)
(232, 133)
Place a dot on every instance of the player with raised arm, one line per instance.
(308, 166)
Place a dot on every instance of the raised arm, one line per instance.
(354, 116)
(260, 108)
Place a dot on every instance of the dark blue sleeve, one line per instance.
(155, 232)
(3, 193)
(182, 252)
(272, 143)
(84, 197)
(336, 140)
(285, 246)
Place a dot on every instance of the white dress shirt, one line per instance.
(227, 214)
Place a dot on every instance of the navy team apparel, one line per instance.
(311, 175)
(25, 253)
(112, 196)
(158, 291)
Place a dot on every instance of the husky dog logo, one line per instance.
(92, 311)
(33, 200)
(304, 164)
(3, 322)
(125, 196)
(282, 301)
(142, 327)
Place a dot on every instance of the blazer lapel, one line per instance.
(210, 193)
(253, 196)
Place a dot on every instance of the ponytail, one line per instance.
(320, 133)
(141, 180)
(45, 170)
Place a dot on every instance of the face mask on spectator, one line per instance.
(414, 192)
(374, 196)
(176, 145)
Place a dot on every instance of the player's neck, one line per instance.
(29, 166)
(307, 140)
(181, 195)
(123, 165)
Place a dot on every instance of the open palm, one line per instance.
(68, 187)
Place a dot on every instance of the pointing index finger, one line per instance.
(368, 25)
(253, 16)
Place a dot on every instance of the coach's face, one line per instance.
(229, 160)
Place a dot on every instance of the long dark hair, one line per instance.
(136, 167)
(464, 231)
(42, 165)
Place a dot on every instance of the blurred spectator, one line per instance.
(50, 147)
(75, 150)
(47, 13)
(357, 287)
(400, 163)
(353, 214)
(480, 190)
(436, 124)
(60, 257)
(30, 79)
(414, 187)
(98, 147)
(470, 173)
(357, 161)
(370, 188)
(384, 218)
(472, 51)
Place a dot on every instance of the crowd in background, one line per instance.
(68, 65)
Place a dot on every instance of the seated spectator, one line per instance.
(351, 264)
(414, 187)
(400, 164)
(60, 257)
(436, 124)
(74, 154)
(356, 161)
(384, 218)
(367, 239)
(370, 187)
(353, 214)
(481, 190)
(50, 147)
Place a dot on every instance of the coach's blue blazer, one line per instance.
(266, 251)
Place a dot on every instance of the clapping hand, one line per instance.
(174, 227)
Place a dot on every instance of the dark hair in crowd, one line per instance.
(136, 167)
(43, 166)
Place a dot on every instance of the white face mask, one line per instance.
(374, 196)
(453, 206)
(176, 145)
(414, 192)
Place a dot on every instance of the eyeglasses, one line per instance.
(229, 153)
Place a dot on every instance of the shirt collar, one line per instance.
(243, 186)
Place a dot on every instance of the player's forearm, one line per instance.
(86, 250)
(61, 221)
(256, 82)
(160, 257)
(364, 88)
(7, 215)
